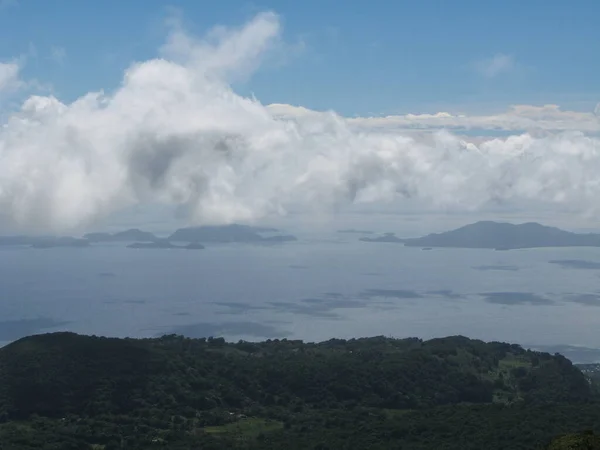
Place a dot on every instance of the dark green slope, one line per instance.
(582, 441)
(171, 391)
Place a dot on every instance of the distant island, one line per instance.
(194, 246)
(227, 233)
(497, 236)
(43, 241)
(505, 236)
(131, 235)
(387, 237)
(577, 354)
(139, 239)
(157, 244)
(165, 244)
(59, 242)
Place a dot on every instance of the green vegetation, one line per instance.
(592, 373)
(66, 391)
(582, 441)
(246, 427)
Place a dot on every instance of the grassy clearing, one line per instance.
(512, 362)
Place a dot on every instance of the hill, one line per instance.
(387, 237)
(64, 387)
(582, 441)
(505, 236)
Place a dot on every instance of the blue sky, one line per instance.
(376, 57)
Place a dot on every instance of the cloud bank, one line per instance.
(531, 119)
(175, 132)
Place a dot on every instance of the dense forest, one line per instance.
(67, 391)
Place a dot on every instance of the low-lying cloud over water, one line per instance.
(174, 132)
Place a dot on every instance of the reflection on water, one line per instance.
(249, 292)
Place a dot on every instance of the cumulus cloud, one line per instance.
(9, 76)
(176, 133)
(224, 54)
(496, 65)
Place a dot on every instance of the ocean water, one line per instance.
(313, 289)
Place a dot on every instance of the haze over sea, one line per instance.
(325, 285)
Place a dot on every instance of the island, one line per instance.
(156, 244)
(505, 236)
(43, 241)
(194, 246)
(387, 237)
(131, 235)
(69, 242)
(227, 234)
(194, 237)
(165, 244)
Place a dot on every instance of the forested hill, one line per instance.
(177, 392)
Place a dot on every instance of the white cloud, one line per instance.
(496, 65)
(529, 118)
(224, 53)
(175, 133)
(518, 118)
(289, 111)
(58, 55)
(9, 76)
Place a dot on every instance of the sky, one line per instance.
(364, 58)
(240, 111)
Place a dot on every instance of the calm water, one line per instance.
(313, 290)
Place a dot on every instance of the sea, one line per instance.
(320, 287)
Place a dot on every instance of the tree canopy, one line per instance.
(176, 392)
